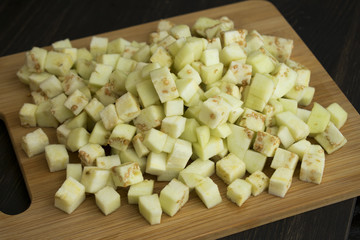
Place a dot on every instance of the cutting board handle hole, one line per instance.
(14, 197)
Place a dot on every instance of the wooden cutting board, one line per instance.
(43, 221)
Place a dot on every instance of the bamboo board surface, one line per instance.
(42, 220)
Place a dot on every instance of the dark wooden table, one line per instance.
(331, 29)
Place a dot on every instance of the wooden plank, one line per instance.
(340, 182)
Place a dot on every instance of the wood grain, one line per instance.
(340, 182)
